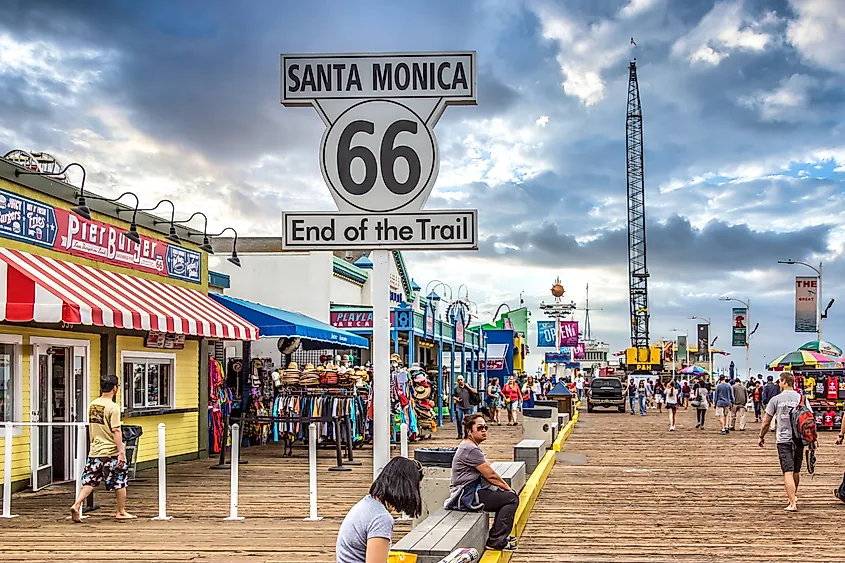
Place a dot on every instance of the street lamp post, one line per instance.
(709, 347)
(821, 315)
(747, 336)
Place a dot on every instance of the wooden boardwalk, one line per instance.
(273, 498)
(626, 489)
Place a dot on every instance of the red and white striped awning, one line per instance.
(46, 290)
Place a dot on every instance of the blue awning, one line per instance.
(276, 322)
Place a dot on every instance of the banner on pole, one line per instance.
(568, 334)
(546, 334)
(579, 351)
(668, 351)
(703, 340)
(682, 347)
(739, 326)
(806, 303)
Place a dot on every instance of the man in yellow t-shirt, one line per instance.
(107, 455)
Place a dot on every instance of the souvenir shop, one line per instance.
(318, 376)
(825, 388)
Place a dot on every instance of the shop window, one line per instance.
(10, 380)
(148, 382)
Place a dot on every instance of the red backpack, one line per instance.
(804, 424)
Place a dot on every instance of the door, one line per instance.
(42, 436)
(79, 389)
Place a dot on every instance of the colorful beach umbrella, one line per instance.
(800, 359)
(693, 370)
(823, 347)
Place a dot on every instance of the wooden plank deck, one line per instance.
(626, 489)
(273, 498)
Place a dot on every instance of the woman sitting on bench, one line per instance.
(469, 466)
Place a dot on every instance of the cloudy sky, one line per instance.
(743, 104)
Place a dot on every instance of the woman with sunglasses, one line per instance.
(367, 529)
(469, 465)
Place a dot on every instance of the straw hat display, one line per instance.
(310, 375)
(331, 376)
(361, 376)
(345, 376)
(291, 376)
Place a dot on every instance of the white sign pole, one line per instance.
(162, 475)
(312, 474)
(7, 471)
(233, 481)
(381, 360)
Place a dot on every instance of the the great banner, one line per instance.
(806, 303)
(37, 223)
(546, 334)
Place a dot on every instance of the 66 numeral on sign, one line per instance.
(389, 153)
(379, 156)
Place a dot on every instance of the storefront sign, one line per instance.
(561, 357)
(492, 365)
(166, 340)
(546, 334)
(739, 327)
(568, 333)
(806, 304)
(27, 220)
(354, 319)
(37, 223)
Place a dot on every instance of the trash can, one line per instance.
(131, 435)
(437, 473)
(537, 424)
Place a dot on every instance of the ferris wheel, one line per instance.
(41, 161)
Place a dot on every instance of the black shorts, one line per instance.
(790, 455)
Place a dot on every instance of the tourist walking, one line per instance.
(530, 392)
(472, 472)
(494, 399)
(659, 396)
(724, 399)
(367, 529)
(685, 394)
(672, 398)
(579, 386)
(738, 410)
(757, 396)
(461, 395)
(510, 396)
(107, 454)
(790, 447)
(631, 393)
(701, 402)
(642, 396)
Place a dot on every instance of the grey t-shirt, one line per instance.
(780, 407)
(367, 519)
(467, 458)
(462, 396)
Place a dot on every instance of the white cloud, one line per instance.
(819, 32)
(724, 29)
(637, 7)
(542, 121)
(784, 102)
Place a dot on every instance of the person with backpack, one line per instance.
(796, 428)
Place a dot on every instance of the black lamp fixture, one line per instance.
(81, 207)
(234, 257)
(83, 211)
(172, 236)
(206, 243)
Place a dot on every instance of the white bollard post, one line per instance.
(236, 447)
(162, 476)
(81, 455)
(312, 473)
(7, 472)
(403, 449)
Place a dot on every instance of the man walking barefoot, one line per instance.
(107, 455)
(790, 448)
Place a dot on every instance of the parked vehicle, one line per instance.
(605, 392)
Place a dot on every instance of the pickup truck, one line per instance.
(605, 392)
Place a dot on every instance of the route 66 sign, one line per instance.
(378, 155)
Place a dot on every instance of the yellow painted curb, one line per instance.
(531, 492)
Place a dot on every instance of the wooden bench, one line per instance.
(531, 452)
(444, 531)
(512, 472)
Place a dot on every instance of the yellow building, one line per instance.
(80, 297)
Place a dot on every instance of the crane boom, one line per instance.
(637, 268)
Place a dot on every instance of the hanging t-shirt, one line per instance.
(833, 388)
(820, 388)
(828, 419)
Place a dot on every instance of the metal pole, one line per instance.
(404, 452)
(820, 304)
(381, 359)
(748, 341)
(7, 472)
(312, 473)
(162, 475)
(236, 447)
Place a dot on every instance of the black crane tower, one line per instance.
(637, 269)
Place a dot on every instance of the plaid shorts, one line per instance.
(108, 469)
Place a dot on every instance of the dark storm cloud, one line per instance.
(672, 246)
